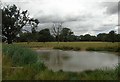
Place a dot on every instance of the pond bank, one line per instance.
(108, 49)
(37, 70)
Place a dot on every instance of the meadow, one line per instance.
(21, 63)
(89, 46)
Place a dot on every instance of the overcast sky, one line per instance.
(81, 16)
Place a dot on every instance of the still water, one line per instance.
(77, 61)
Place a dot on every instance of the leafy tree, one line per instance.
(111, 36)
(93, 38)
(45, 36)
(102, 37)
(117, 38)
(33, 23)
(27, 37)
(72, 38)
(65, 34)
(13, 21)
(86, 37)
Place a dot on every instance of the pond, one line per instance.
(77, 61)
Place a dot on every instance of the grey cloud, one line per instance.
(79, 21)
(112, 7)
(59, 18)
(106, 27)
(119, 29)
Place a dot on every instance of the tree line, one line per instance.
(15, 19)
(66, 35)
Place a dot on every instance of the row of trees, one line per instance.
(46, 35)
(66, 35)
(105, 37)
(15, 19)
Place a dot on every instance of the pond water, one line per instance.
(77, 61)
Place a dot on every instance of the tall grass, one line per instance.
(20, 55)
(15, 56)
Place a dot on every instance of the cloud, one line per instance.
(111, 7)
(81, 16)
(50, 18)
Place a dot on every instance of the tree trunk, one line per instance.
(9, 40)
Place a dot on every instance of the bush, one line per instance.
(20, 55)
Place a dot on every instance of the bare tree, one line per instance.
(56, 30)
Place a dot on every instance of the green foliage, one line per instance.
(20, 55)
(117, 71)
(99, 75)
(66, 35)
(45, 36)
(50, 75)
(38, 66)
(14, 20)
(27, 72)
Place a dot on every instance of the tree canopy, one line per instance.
(14, 20)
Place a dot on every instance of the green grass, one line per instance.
(20, 63)
(20, 55)
(81, 45)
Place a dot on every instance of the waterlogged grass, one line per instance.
(37, 70)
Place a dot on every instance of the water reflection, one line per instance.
(77, 61)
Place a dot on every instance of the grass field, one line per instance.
(82, 45)
(89, 46)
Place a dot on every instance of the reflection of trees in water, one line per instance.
(45, 56)
(56, 58)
